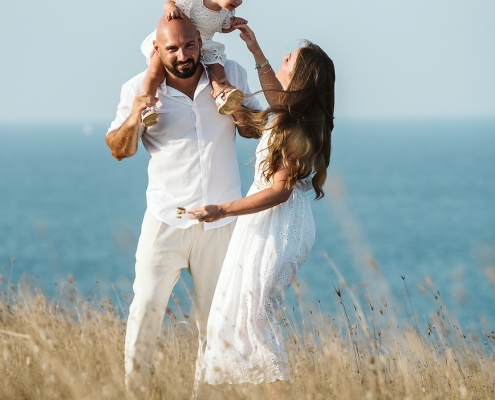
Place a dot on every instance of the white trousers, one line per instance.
(162, 253)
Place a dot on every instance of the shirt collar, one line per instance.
(204, 81)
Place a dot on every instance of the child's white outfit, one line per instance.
(208, 23)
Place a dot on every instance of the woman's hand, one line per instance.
(234, 22)
(209, 213)
(248, 36)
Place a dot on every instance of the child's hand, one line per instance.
(172, 11)
(234, 21)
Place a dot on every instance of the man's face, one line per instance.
(180, 51)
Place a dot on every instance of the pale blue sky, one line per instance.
(66, 59)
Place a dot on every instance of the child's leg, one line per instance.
(154, 77)
(227, 96)
(219, 80)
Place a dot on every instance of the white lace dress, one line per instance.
(245, 342)
(208, 23)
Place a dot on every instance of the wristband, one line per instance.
(263, 64)
(266, 72)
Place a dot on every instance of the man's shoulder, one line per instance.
(231, 65)
(234, 68)
(135, 84)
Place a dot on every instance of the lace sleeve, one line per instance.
(226, 22)
(147, 46)
(185, 6)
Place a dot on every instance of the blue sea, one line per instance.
(421, 194)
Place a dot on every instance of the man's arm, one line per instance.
(123, 141)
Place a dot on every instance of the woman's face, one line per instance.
(284, 74)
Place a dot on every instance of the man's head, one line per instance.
(178, 44)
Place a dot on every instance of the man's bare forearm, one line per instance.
(123, 142)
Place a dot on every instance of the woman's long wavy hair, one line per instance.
(302, 121)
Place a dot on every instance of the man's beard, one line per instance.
(184, 74)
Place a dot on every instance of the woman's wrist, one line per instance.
(262, 65)
(223, 211)
(259, 57)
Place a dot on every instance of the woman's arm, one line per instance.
(263, 200)
(269, 82)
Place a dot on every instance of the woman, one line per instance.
(275, 231)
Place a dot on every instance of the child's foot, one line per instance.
(149, 116)
(227, 101)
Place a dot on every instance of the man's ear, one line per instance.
(155, 45)
(200, 41)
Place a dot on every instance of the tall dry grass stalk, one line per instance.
(70, 348)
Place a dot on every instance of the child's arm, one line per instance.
(171, 10)
(234, 21)
(219, 80)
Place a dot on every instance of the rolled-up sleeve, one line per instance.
(124, 109)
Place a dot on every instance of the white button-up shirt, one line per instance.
(193, 156)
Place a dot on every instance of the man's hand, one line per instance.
(172, 11)
(142, 101)
(234, 21)
(209, 213)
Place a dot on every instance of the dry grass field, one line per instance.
(70, 348)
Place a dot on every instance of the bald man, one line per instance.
(193, 162)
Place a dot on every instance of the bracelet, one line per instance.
(263, 64)
(268, 70)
